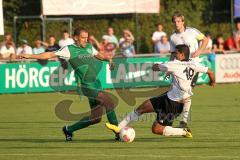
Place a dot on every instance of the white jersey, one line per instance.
(189, 37)
(65, 42)
(182, 73)
(158, 35)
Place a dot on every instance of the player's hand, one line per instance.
(26, 56)
(212, 83)
(182, 124)
(111, 66)
(155, 67)
(92, 38)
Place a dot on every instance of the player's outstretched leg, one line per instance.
(109, 105)
(145, 107)
(157, 128)
(95, 117)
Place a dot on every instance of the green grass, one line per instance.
(30, 129)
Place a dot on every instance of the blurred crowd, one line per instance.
(125, 44)
(215, 45)
(9, 50)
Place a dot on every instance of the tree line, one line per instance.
(213, 16)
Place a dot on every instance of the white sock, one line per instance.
(186, 110)
(170, 131)
(133, 116)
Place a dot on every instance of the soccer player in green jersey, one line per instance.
(86, 62)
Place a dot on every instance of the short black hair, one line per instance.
(237, 20)
(183, 48)
(78, 30)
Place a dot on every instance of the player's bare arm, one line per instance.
(201, 48)
(211, 77)
(41, 56)
(106, 56)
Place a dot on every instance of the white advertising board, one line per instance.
(1, 19)
(227, 68)
(96, 7)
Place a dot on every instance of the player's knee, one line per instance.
(144, 108)
(106, 101)
(96, 120)
(157, 129)
(109, 105)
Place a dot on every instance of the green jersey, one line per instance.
(85, 65)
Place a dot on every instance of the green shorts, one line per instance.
(90, 90)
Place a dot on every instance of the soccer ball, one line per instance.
(127, 134)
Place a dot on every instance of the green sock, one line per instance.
(83, 123)
(112, 118)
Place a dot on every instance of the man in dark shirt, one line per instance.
(52, 46)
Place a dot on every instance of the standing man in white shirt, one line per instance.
(190, 37)
(187, 35)
(157, 36)
(111, 37)
(66, 40)
(169, 105)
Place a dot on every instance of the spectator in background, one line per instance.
(104, 45)
(126, 44)
(157, 35)
(112, 38)
(218, 44)
(38, 47)
(105, 41)
(8, 38)
(229, 44)
(24, 48)
(236, 35)
(66, 40)
(209, 46)
(7, 51)
(163, 46)
(51, 45)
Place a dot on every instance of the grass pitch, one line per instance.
(30, 129)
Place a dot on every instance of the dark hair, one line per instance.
(51, 36)
(179, 15)
(64, 31)
(218, 36)
(79, 30)
(183, 48)
(207, 33)
(237, 20)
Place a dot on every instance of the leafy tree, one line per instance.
(206, 15)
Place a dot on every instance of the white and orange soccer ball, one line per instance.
(127, 134)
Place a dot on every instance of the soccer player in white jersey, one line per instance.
(169, 105)
(190, 37)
